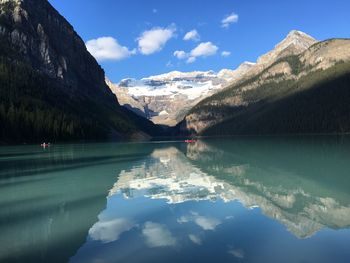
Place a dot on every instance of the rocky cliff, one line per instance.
(40, 36)
(51, 87)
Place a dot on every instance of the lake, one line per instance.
(251, 199)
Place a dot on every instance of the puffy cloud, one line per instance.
(157, 235)
(230, 19)
(190, 60)
(225, 53)
(202, 50)
(206, 223)
(107, 48)
(192, 35)
(154, 40)
(109, 230)
(180, 54)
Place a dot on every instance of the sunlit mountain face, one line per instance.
(224, 200)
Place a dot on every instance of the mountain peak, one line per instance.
(295, 43)
(298, 33)
(297, 38)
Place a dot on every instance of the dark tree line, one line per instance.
(35, 108)
(317, 103)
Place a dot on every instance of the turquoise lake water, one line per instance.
(267, 199)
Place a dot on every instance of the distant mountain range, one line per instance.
(51, 88)
(301, 86)
(166, 99)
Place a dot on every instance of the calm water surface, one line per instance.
(233, 200)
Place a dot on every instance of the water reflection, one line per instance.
(207, 172)
(108, 230)
(252, 199)
(49, 198)
(301, 183)
(157, 235)
(182, 198)
(206, 223)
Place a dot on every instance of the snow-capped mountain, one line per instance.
(167, 98)
(191, 84)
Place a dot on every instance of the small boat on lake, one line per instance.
(190, 141)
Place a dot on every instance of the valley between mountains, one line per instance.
(53, 89)
(301, 86)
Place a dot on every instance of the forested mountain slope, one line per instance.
(51, 88)
(298, 93)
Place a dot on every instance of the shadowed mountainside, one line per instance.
(297, 93)
(51, 88)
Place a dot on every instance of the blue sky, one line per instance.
(138, 38)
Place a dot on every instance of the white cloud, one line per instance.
(195, 239)
(107, 48)
(225, 53)
(110, 230)
(206, 223)
(154, 40)
(190, 60)
(157, 235)
(204, 50)
(192, 35)
(180, 54)
(228, 20)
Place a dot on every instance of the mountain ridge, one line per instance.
(323, 63)
(52, 88)
(141, 95)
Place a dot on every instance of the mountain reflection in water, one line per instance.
(209, 172)
(225, 200)
(184, 193)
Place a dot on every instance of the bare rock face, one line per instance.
(237, 74)
(60, 78)
(126, 100)
(326, 54)
(295, 43)
(44, 39)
